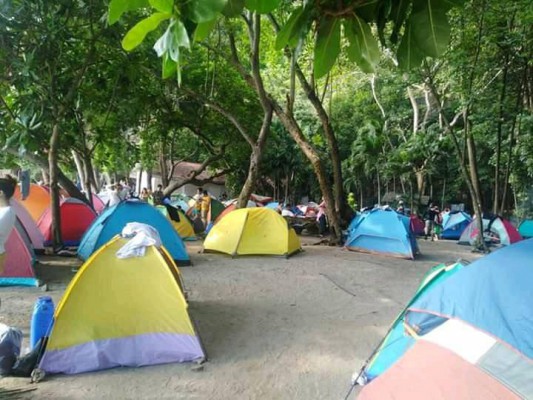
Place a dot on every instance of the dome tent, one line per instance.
(382, 232)
(97, 324)
(248, 231)
(469, 334)
(113, 219)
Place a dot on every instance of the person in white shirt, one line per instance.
(114, 196)
(7, 215)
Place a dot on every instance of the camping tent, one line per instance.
(495, 230)
(122, 312)
(526, 228)
(231, 206)
(252, 231)
(76, 217)
(30, 227)
(470, 334)
(395, 343)
(37, 201)
(453, 224)
(18, 267)
(98, 203)
(417, 225)
(382, 232)
(113, 219)
(181, 223)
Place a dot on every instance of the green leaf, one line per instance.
(328, 46)
(363, 47)
(204, 10)
(165, 6)
(409, 54)
(169, 67)
(119, 7)
(203, 30)
(398, 15)
(136, 35)
(262, 6)
(233, 8)
(430, 28)
(283, 36)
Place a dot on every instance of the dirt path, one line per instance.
(273, 328)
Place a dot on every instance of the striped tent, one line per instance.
(469, 335)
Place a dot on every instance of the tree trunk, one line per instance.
(54, 188)
(80, 169)
(88, 184)
(45, 175)
(495, 204)
(509, 163)
(333, 144)
(379, 187)
(289, 122)
(149, 179)
(255, 160)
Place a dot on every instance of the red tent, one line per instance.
(76, 217)
(19, 260)
(417, 225)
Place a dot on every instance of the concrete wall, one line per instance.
(189, 190)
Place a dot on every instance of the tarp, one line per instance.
(113, 219)
(453, 224)
(76, 217)
(248, 231)
(122, 313)
(382, 232)
(526, 228)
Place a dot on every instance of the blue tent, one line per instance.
(272, 205)
(453, 224)
(396, 342)
(526, 228)
(492, 294)
(113, 219)
(379, 231)
(490, 298)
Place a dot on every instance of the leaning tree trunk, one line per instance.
(54, 188)
(318, 167)
(333, 144)
(255, 159)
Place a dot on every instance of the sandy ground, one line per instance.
(273, 328)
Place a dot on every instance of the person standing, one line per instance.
(114, 197)
(429, 219)
(158, 195)
(198, 203)
(7, 215)
(206, 206)
(321, 218)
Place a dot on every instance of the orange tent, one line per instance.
(37, 201)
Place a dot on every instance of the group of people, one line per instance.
(433, 222)
(202, 205)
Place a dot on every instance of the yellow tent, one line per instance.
(183, 226)
(122, 312)
(249, 231)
